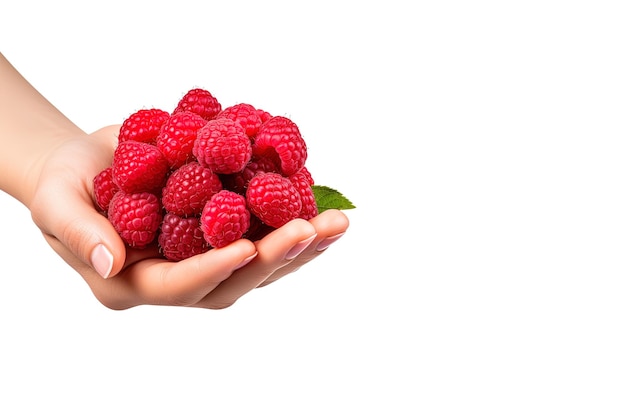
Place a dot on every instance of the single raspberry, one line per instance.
(223, 146)
(188, 189)
(238, 182)
(136, 217)
(307, 174)
(263, 115)
(181, 237)
(273, 199)
(199, 101)
(225, 218)
(246, 115)
(138, 166)
(104, 188)
(279, 138)
(143, 125)
(177, 136)
(301, 180)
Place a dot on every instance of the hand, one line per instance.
(62, 207)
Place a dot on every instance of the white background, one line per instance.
(483, 271)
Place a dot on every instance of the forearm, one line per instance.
(30, 126)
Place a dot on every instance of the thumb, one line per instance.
(84, 234)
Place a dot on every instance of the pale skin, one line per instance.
(48, 164)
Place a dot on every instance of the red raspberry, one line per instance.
(138, 166)
(143, 125)
(189, 188)
(181, 237)
(199, 101)
(104, 188)
(136, 217)
(225, 218)
(301, 180)
(246, 115)
(307, 174)
(177, 136)
(265, 116)
(223, 146)
(238, 182)
(279, 138)
(273, 199)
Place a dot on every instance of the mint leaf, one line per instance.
(329, 198)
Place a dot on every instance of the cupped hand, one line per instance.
(62, 207)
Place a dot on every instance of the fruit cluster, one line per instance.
(203, 176)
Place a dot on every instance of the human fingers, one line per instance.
(156, 281)
(105, 290)
(275, 250)
(329, 226)
(85, 232)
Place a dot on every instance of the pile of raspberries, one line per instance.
(203, 176)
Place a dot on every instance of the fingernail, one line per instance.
(102, 260)
(299, 247)
(247, 260)
(324, 244)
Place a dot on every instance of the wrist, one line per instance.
(30, 128)
(29, 169)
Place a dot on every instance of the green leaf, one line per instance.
(329, 198)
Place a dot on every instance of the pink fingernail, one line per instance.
(324, 244)
(247, 260)
(102, 260)
(299, 247)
